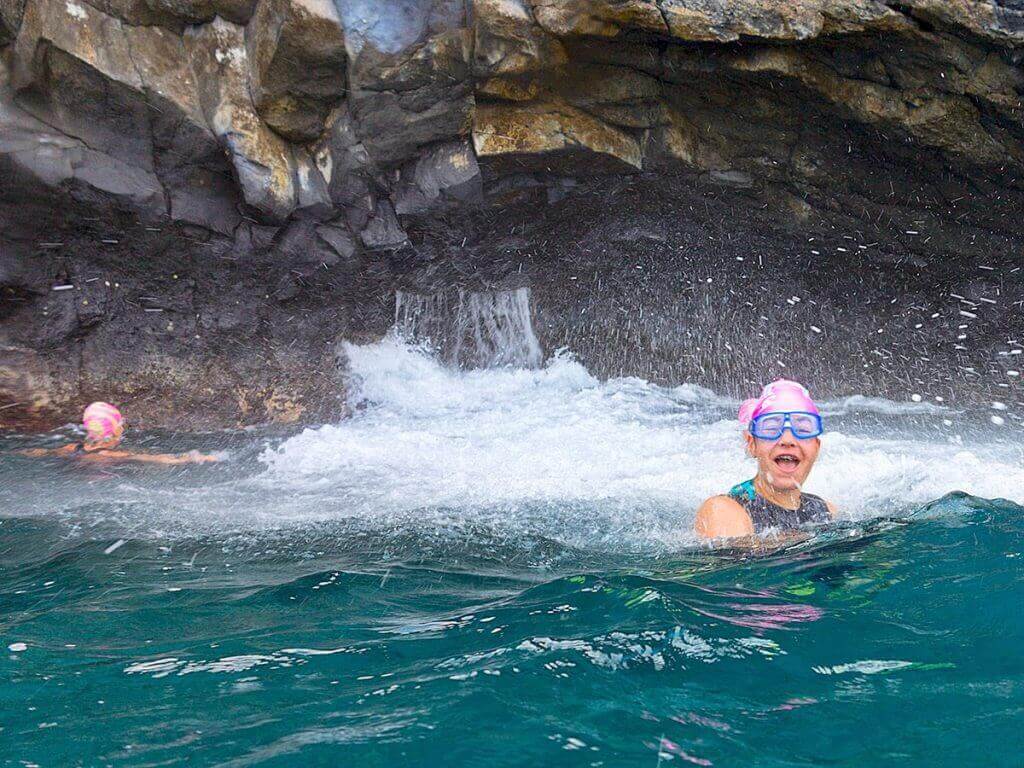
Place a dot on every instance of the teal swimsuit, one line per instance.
(765, 514)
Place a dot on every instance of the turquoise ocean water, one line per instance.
(496, 568)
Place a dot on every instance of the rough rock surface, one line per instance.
(229, 187)
(297, 50)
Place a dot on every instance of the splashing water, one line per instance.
(497, 566)
(485, 329)
(618, 465)
(623, 461)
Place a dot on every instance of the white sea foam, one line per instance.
(433, 436)
(555, 449)
(547, 452)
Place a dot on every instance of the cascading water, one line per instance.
(482, 329)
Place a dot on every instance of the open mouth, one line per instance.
(787, 461)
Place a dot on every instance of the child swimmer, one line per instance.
(782, 427)
(104, 427)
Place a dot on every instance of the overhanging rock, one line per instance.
(550, 135)
(297, 53)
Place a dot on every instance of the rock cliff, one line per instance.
(198, 198)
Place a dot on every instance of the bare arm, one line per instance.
(722, 518)
(35, 453)
(193, 457)
(109, 455)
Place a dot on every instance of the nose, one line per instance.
(787, 437)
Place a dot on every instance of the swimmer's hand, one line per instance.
(204, 458)
(195, 457)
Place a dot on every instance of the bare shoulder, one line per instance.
(723, 517)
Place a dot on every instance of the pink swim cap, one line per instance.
(102, 421)
(781, 395)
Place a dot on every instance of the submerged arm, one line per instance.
(108, 454)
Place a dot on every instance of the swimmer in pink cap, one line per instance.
(781, 428)
(104, 426)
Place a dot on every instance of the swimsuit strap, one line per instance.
(766, 514)
(745, 491)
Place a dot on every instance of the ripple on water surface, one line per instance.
(230, 653)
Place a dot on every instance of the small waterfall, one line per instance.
(485, 329)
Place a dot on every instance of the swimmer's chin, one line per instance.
(786, 478)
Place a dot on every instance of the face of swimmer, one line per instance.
(784, 463)
(104, 444)
(98, 438)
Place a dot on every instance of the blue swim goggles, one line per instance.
(802, 425)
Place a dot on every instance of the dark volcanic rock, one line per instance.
(341, 242)
(406, 100)
(199, 198)
(382, 231)
(446, 173)
(297, 50)
(10, 19)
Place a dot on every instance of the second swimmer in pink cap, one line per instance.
(781, 426)
(104, 427)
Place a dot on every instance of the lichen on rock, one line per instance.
(552, 133)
